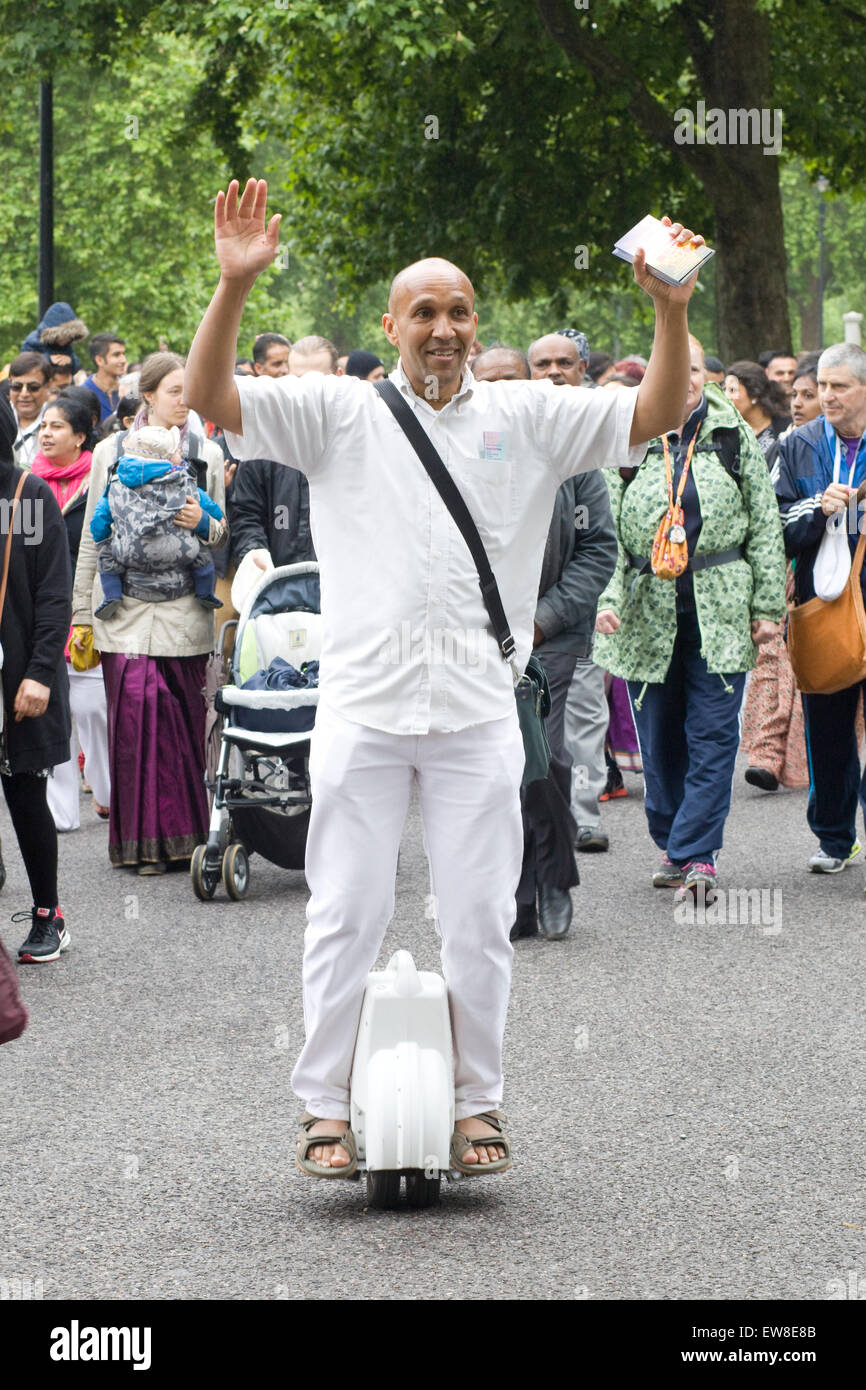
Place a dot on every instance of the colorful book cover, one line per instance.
(665, 259)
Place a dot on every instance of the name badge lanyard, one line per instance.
(838, 517)
(677, 533)
(837, 462)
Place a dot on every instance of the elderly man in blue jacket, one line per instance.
(818, 472)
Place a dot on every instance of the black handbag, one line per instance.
(532, 691)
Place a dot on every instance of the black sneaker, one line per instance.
(48, 937)
(614, 787)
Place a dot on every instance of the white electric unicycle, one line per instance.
(402, 1088)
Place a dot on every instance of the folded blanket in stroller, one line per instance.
(280, 675)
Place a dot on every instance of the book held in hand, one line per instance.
(664, 258)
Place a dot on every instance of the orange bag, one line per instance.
(827, 638)
(670, 553)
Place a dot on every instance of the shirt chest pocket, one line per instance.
(488, 488)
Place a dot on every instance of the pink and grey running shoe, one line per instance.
(700, 879)
(668, 875)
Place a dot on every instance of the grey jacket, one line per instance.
(579, 558)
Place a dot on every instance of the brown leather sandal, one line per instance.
(307, 1141)
(460, 1142)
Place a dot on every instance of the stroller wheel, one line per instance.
(236, 871)
(204, 880)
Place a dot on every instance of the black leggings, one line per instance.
(27, 799)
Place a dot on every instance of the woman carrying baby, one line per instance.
(156, 639)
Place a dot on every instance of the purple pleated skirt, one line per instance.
(621, 734)
(156, 720)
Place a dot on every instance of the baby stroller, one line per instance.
(261, 788)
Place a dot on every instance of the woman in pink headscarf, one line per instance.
(64, 460)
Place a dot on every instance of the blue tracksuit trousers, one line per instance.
(834, 768)
(688, 728)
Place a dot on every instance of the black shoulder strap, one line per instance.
(453, 499)
(119, 440)
(196, 464)
(725, 442)
(193, 450)
(199, 471)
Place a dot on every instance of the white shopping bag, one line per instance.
(833, 563)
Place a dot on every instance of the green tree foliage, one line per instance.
(133, 193)
(506, 135)
(844, 268)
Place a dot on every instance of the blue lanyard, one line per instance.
(834, 444)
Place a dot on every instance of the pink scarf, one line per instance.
(67, 483)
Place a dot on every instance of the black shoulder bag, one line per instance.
(531, 691)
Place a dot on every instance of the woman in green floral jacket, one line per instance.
(684, 645)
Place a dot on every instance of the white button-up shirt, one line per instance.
(407, 644)
(26, 446)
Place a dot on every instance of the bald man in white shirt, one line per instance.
(413, 686)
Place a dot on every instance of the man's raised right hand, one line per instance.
(245, 246)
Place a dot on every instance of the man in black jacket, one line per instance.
(579, 559)
(269, 510)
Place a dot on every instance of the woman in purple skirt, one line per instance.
(154, 656)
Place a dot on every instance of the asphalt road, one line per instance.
(685, 1099)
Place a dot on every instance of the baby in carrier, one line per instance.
(140, 550)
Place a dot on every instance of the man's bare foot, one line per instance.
(474, 1128)
(329, 1155)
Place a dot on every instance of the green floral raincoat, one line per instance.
(728, 597)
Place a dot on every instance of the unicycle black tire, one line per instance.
(422, 1191)
(383, 1189)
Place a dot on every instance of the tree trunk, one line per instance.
(751, 293)
(732, 71)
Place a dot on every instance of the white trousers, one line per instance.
(468, 784)
(87, 699)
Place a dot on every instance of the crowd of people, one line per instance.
(646, 676)
(658, 612)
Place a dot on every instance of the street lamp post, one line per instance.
(46, 196)
(822, 184)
